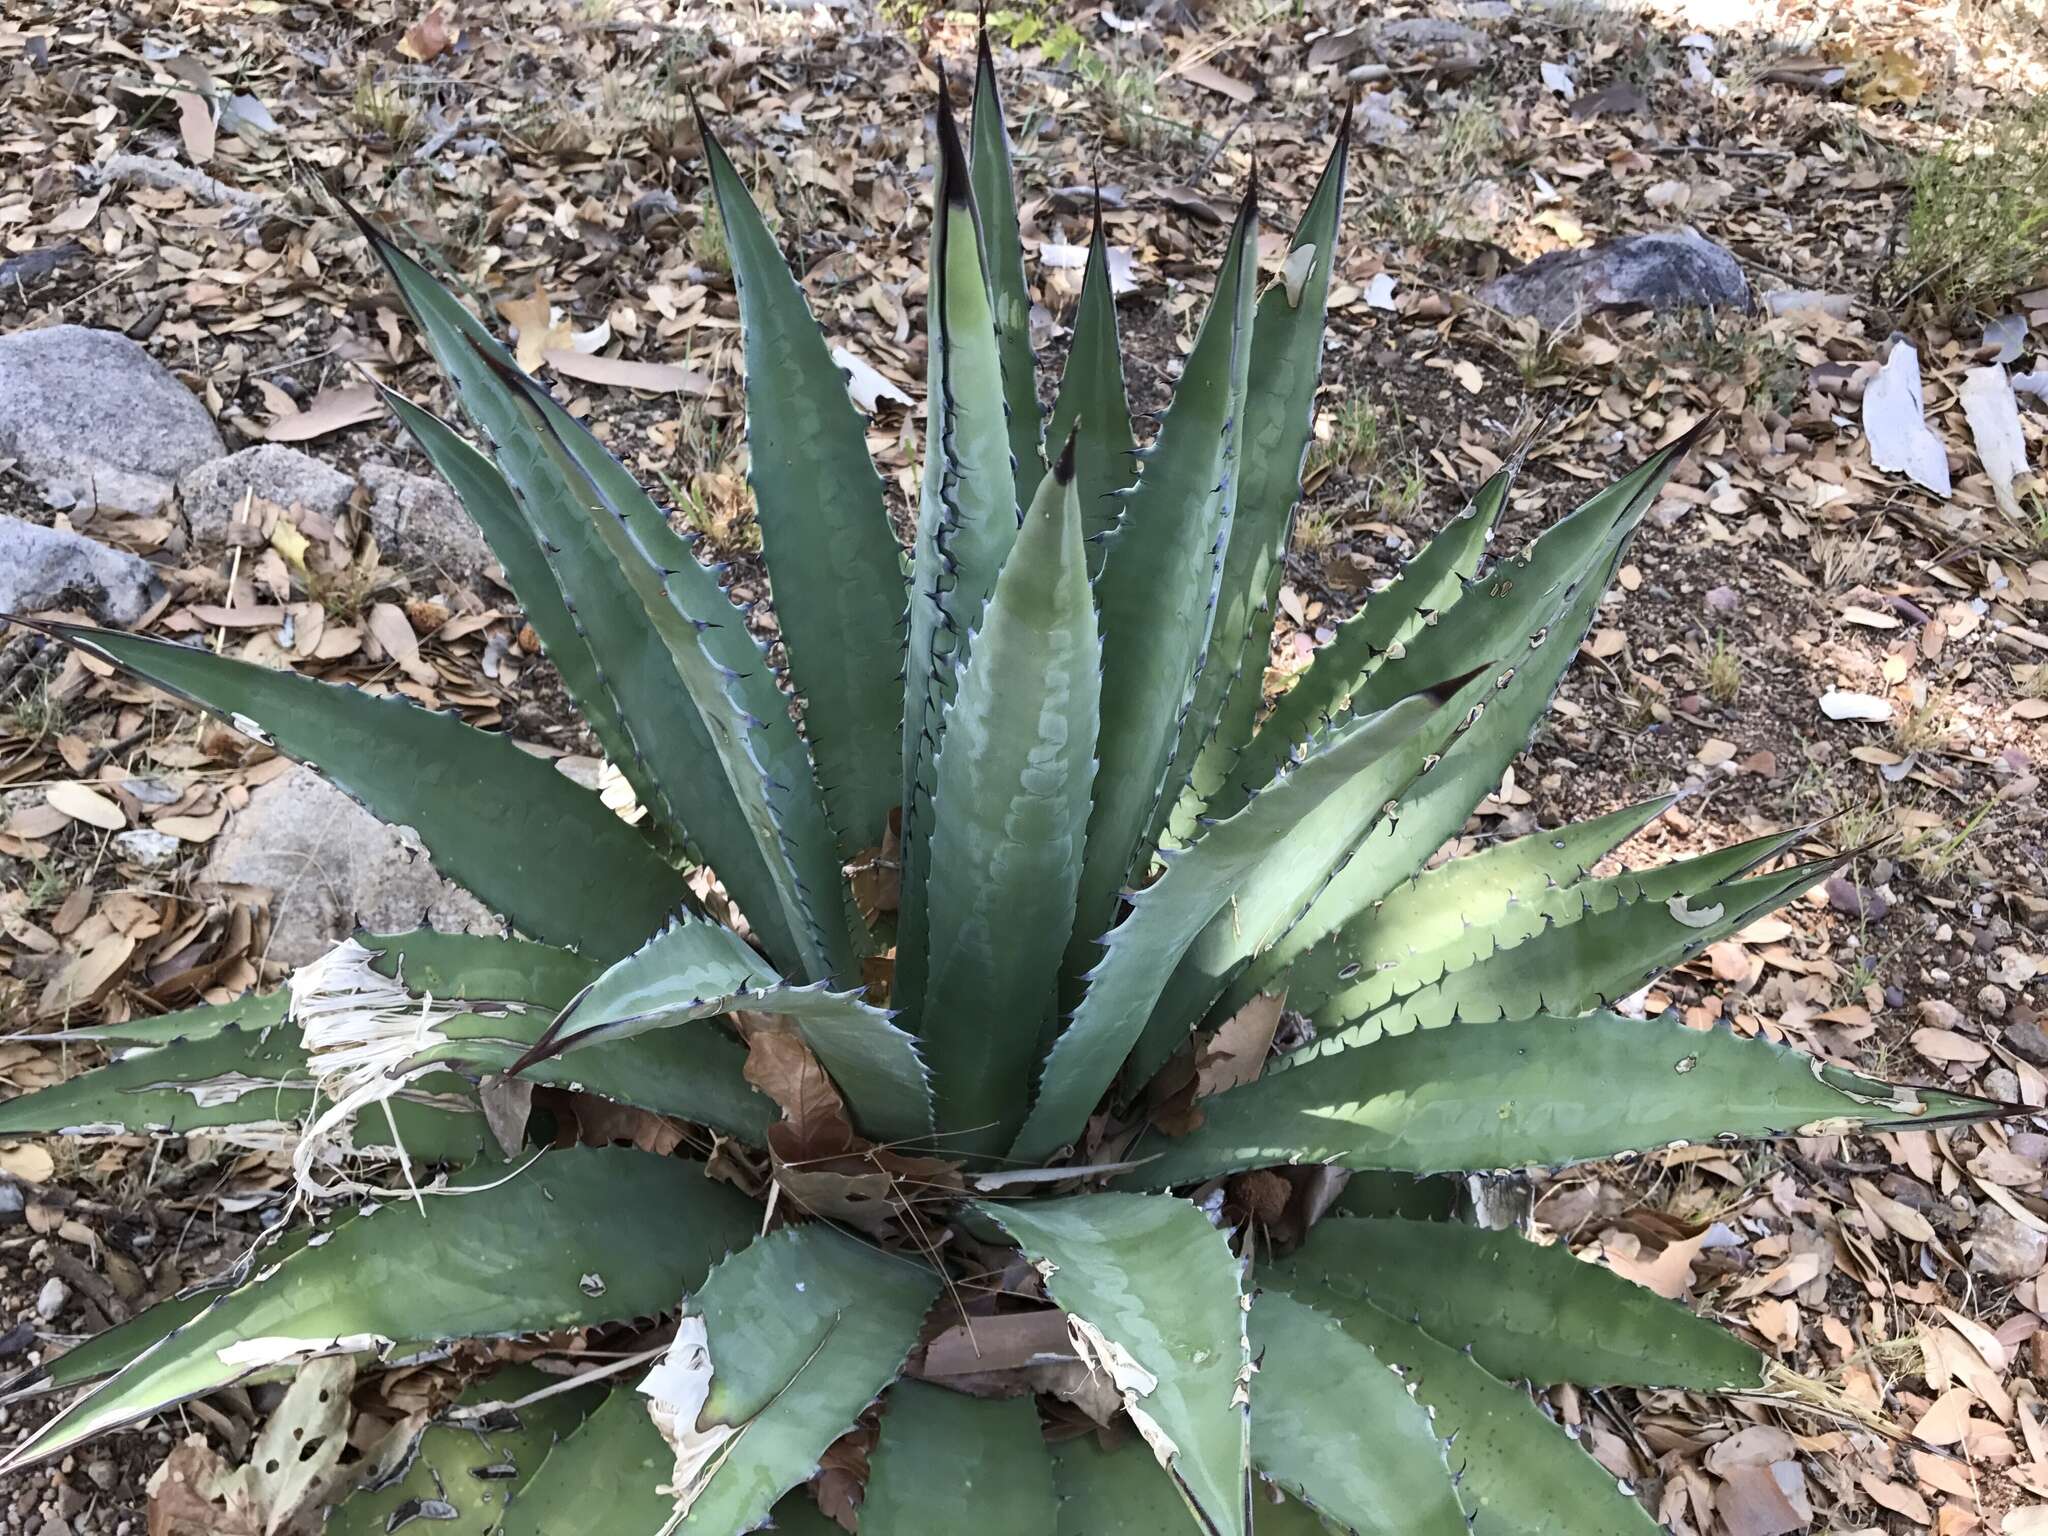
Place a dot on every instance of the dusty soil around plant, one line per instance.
(543, 155)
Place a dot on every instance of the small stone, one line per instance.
(1937, 1014)
(103, 1474)
(44, 568)
(2026, 1038)
(1991, 998)
(2003, 1249)
(1667, 269)
(212, 495)
(94, 421)
(51, 1298)
(1723, 599)
(146, 846)
(2002, 1084)
(420, 526)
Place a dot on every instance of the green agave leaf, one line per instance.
(1537, 656)
(952, 1463)
(1279, 416)
(1416, 597)
(724, 674)
(804, 1329)
(966, 523)
(1525, 1311)
(494, 508)
(253, 1012)
(1533, 1092)
(1517, 596)
(1012, 815)
(1292, 872)
(457, 1475)
(463, 967)
(1334, 1425)
(1157, 1293)
(628, 688)
(1002, 256)
(1158, 590)
(518, 988)
(1437, 906)
(497, 821)
(1598, 943)
(590, 1250)
(1377, 1192)
(605, 1475)
(1516, 1472)
(1123, 1493)
(1349, 780)
(116, 1347)
(832, 557)
(1091, 409)
(247, 1078)
(695, 970)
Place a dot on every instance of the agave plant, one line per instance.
(1017, 1259)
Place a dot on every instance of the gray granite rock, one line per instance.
(53, 567)
(420, 526)
(1671, 269)
(93, 420)
(331, 867)
(212, 495)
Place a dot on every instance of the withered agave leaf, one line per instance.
(777, 1354)
(1154, 1300)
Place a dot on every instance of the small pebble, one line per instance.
(51, 1298)
(1991, 998)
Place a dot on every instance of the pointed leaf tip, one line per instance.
(1063, 471)
(953, 174)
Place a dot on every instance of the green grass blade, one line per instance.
(1158, 1291)
(952, 1463)
(1334, 1425)
(1346, 784)
(1002, 255)
(804, 1329)
(1012, 815)
(1090, 408)
(695, 970)
(1526, 1311)
(1426, 585)
(1279, 416)
(499, 822)
(1538, 1092)
(591, 1250)
(833, 560)
(1158, 591)
(966, 523)
(1517, 1473)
